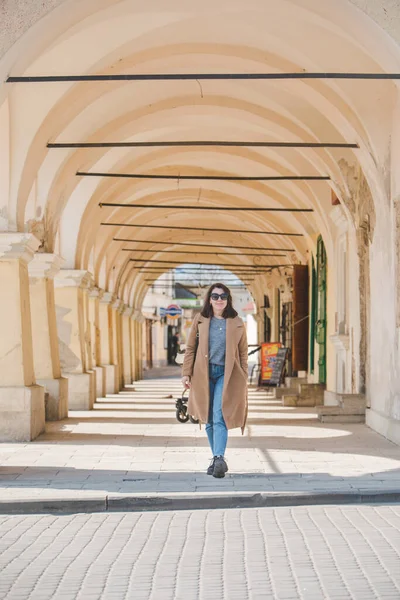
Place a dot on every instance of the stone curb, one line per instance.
(56, 505)
(194, 502)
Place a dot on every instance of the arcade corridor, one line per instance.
(131, 445)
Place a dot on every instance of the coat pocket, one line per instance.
(238, 367)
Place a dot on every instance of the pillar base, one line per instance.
(387, 426)
(56, 400)
(93, 384)
(127, 380)
(99, 382)
(109, 379)
(80, 394)
(22, 413)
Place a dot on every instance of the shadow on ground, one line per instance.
(131, 481)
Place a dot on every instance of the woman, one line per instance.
(215, 370)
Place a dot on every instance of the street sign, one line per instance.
(173, 311)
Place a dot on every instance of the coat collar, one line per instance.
(236, 321)
(233, 333)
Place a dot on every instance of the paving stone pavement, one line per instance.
(132, 445)
(301, 553)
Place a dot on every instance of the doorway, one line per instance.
(321, 324)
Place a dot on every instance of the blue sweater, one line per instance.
(217, 341)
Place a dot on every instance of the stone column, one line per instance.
(138, 350)
(115, 341)
(142, 345)
(120, 349)
(90, 363)
(106, 349)
(275, 324)
(94, 301)
(140, 323)
(132, 326)
(46, 357)
(22, 411)
(127, 345)
(70, 295)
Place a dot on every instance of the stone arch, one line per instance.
(42, 195)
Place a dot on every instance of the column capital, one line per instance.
(106, 297)
(73, 278)
(18, 246)
(117, 305)
(95, 292)
(138, 316)
(128, 311)
(44, 265)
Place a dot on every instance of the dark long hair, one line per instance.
(207, 310)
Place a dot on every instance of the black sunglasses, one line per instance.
(223, 296)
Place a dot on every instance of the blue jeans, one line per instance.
(216, 430)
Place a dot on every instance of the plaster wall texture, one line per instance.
(93, 387)
(109, 379)
(87, 330)
(384, 382)
(56, 398)
(71, 296)
(331, 310)
(44, 329)
(4, 162)
(45, 347)
(159, 352)
(16, 355)
(104, 331)
(383, 376)
(22, 413)
(106, 325)
(114, 344)
(113, 334)
(126, 348)
(120, 348)
(93, 318)
(69, 310)
(92, 325)
(80, 391)
(133, 349)
(345, 297)
(100, 392)
(18, 16)
(353, 300)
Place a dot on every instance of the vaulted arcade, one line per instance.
(129, 130)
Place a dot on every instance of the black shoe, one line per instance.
(220, 467)
(210, 469)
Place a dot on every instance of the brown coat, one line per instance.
(234, 395)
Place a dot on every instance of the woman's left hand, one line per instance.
(186, 382)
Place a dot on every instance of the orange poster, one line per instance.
(268, 357)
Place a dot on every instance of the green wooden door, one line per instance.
(313, 314)
(320, 327)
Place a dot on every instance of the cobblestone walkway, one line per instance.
(131, 443)
(315, 553)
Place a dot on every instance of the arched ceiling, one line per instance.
(257, 36)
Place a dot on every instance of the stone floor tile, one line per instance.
(287, 451)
